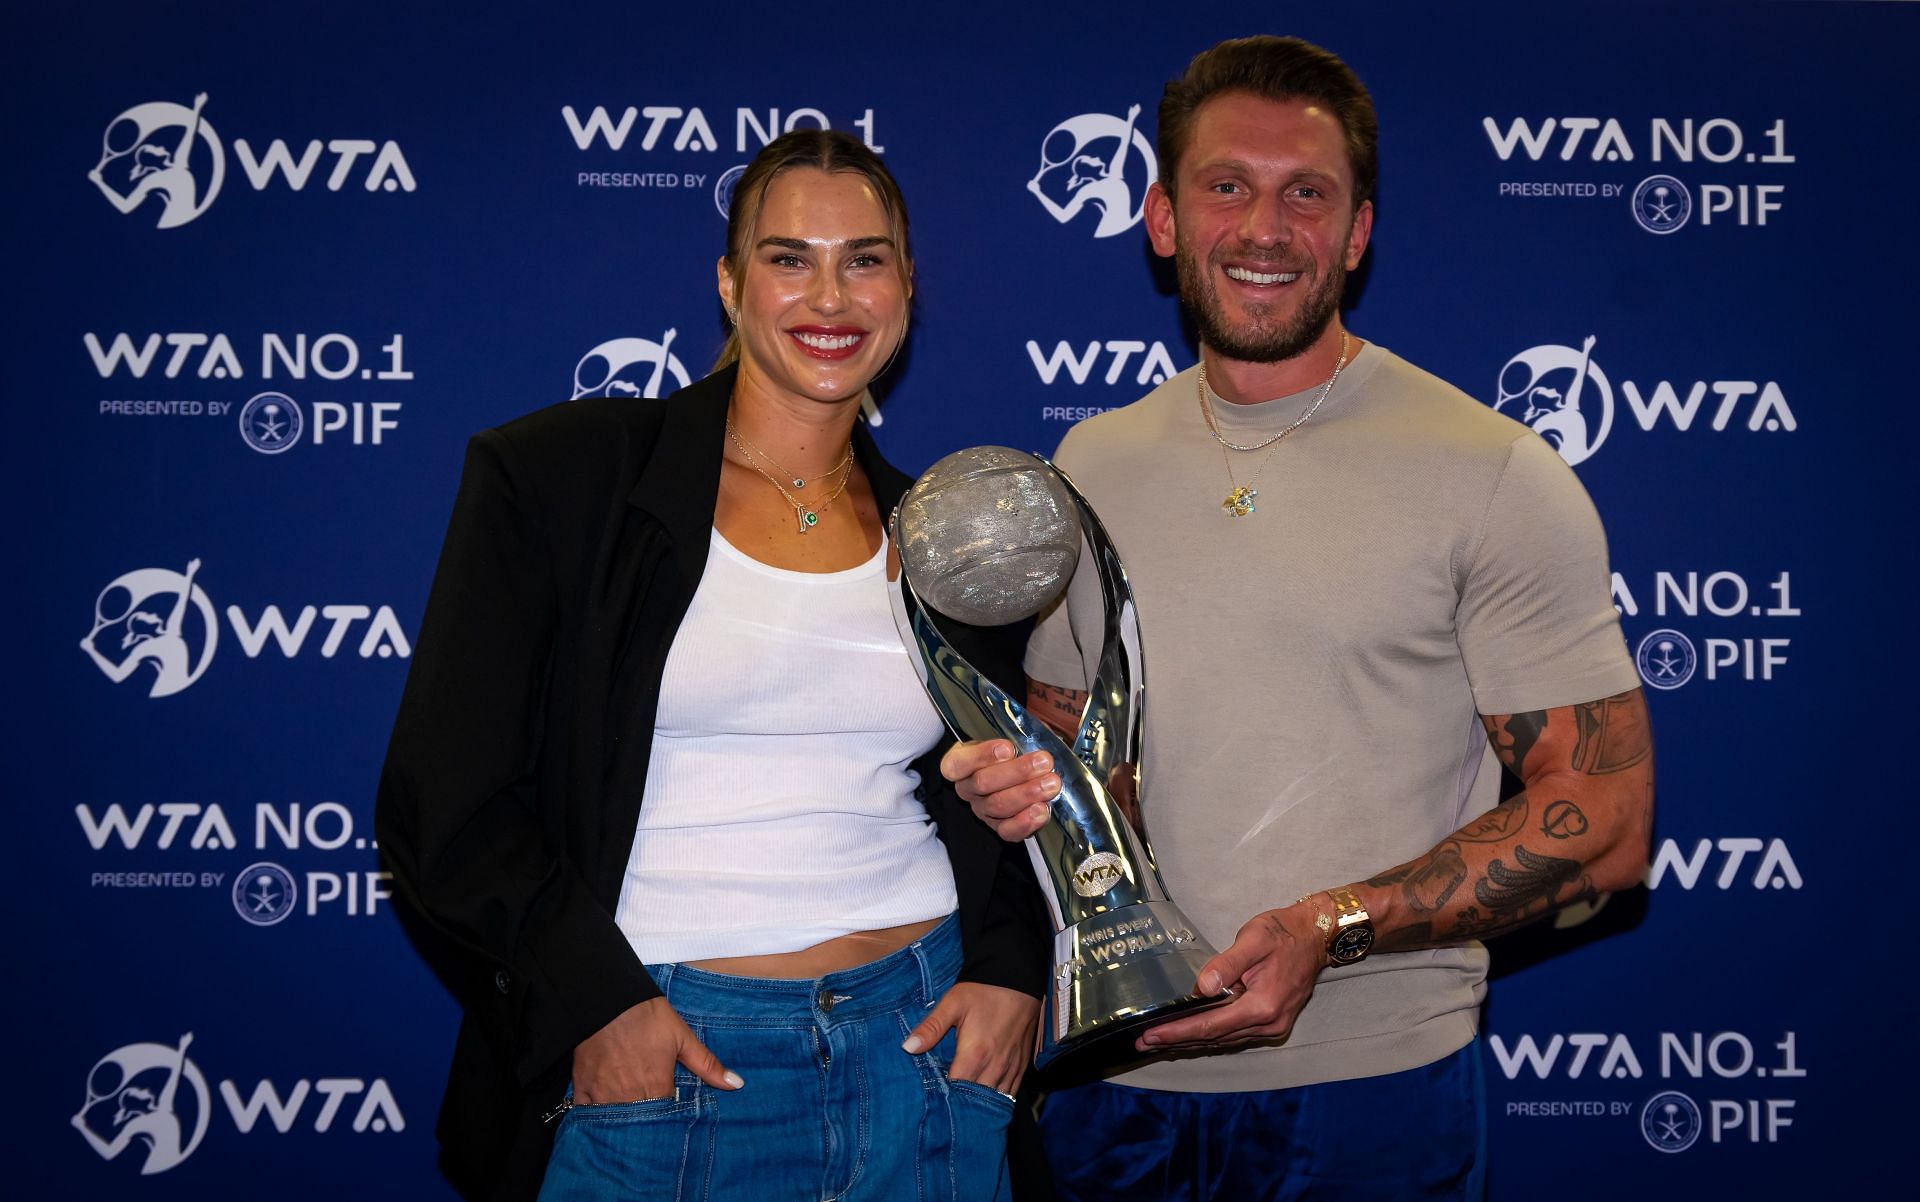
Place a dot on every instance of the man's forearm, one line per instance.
(1579, 829)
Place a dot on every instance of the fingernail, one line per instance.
(1150, 1039)
(1209, 982)
(1051, 786)
(912, 1045)
(1038, 813)
(1041, 761)
(732, 1079)
(1002, 751)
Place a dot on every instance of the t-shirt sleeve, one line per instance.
(1537, 626)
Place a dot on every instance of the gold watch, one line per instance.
(1349, 930)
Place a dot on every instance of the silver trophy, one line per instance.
(988, 536)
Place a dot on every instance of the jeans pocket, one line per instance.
(652, 1148)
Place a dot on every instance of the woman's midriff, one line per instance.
(835, 955)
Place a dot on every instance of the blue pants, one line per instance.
(1417, 1136)
(832, 1107)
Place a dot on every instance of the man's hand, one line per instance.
(996, 1030)
(1273, 964)
(632, 1058)
(1008, 792)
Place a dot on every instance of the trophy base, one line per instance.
(1121, 970)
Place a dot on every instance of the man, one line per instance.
(1357, 587)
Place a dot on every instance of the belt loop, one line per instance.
(928, 988)
(663, 976)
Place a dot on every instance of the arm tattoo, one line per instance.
(1434, 881)
(1536, 879)
(1522, 731)
(1563, 820)
(1613, 734)
(1497, 824)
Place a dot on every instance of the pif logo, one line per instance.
(1098, 160)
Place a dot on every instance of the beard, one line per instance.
(1267, 337)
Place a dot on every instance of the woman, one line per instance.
(769, 978)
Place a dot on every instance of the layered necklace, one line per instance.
(804, 515)
(1240, 501)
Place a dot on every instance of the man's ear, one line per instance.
(1159, 215)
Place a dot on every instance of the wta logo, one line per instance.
(1097, 160)
(635, 367)
(1562, 395)
(166, 152)
(134, 1096)
(154, 618)
(150, 150)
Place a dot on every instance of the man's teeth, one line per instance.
(822, 342)
(1260, 277)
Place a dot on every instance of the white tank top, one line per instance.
(779, 808)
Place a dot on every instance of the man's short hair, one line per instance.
(1273, 68)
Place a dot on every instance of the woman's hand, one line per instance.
(996, 1030)
(632, 1058)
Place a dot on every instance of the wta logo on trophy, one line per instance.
(633, 367)
(149, 152)
(134, 1096)
(1100, 161)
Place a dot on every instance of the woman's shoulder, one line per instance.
(579, 432)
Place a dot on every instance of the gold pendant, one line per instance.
(1239, 502)
(808, 519)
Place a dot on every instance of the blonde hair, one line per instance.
(829, 150)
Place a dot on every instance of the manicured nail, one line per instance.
(732, 1079)
(912, 1045)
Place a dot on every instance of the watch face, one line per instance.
(1351, 944)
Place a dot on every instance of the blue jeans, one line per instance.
(832, 1107)
(1417, 1136)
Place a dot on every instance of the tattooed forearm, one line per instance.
(1563, 820)
(1588, 776)
(1434, 881)
(1499, 824)
(1613, 734)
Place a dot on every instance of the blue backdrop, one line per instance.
(252, 336)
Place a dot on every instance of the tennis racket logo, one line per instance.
(1098, 161)
(154, 618)
(134, 1096)
(634, 367)
(165, 151)
(1561, 393)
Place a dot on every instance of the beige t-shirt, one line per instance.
(1314, 671)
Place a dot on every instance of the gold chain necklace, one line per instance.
(806, 516)
(1240, 501)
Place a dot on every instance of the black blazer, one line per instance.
(512, 784)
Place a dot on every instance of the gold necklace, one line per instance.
(1240, 501)
(806, 516)
(753, 452)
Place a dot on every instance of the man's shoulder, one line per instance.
(1401, 383)
(1134, 426)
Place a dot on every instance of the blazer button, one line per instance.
(502, 981)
